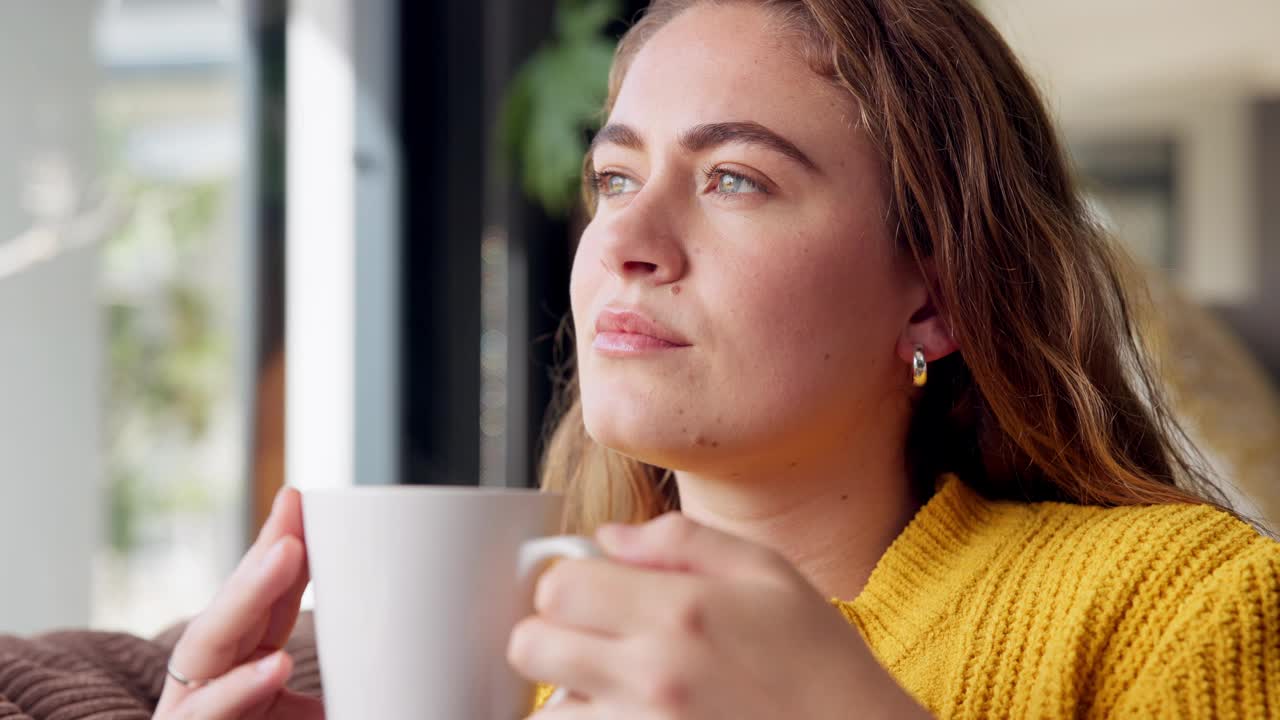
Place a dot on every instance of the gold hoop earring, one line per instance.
(919, 368)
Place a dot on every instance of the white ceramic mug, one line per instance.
(416, 591)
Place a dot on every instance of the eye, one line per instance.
(610, 184)
(727, 182)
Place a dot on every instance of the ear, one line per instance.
(927, 328)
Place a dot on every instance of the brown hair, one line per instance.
(1052, 395)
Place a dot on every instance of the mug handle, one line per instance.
(534, 553)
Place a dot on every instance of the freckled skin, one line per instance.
(752, 281)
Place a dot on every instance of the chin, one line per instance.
(665, 438)
(621, 429)
(632, 429)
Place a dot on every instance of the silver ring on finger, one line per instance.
(183, 679)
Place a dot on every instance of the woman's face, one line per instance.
(737, 297)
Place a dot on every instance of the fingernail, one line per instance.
(273, 555)
(275, 504)
(269, 664)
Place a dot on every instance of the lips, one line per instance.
(626, 332)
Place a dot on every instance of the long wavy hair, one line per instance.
(1052, 395)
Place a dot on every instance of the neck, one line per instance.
(832, 517)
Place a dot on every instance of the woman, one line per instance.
(841, 306)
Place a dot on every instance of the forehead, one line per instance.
(729, 62)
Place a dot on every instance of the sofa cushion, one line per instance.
(94, 675)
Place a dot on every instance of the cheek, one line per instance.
(819, 317)
(585, 278)
(588, 279)
(821, 295)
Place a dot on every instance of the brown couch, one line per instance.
(88, 675)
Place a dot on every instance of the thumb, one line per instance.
(674, 542)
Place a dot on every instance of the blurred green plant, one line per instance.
(166, 360)
(555, 97)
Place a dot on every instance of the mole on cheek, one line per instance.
(675, 289)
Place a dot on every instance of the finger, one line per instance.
(566, 711)
(233, 695)
(544, 652)
(272, 631)
(224, 634)
(284, 613)
(572, 697)
(611, 598)
(674, 542)
(588, 711)
(285, 520)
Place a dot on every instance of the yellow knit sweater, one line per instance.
(987, 609)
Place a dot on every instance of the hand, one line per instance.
(687, 622)
(235, 643)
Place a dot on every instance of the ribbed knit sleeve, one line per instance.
(987, 609)
(542, 694)
(1220, 655)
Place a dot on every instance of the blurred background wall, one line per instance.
(328, 241)
(50, 348)
(1171, 111)
(123, 309)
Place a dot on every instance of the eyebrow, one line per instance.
(704, 137)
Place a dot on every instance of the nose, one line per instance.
(642, 243)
